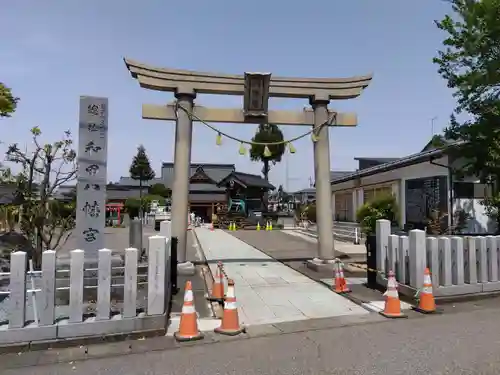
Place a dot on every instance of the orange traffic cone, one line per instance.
(218, 286)
(340, 283)
(392, 307)
(188, 327)
(426, 303)
(230, 323)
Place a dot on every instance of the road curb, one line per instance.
(208, 277)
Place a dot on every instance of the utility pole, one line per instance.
(432, 125)
(287, 175)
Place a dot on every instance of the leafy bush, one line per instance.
(132, 205)
(306, 212)
(310, 212)
(384, 207)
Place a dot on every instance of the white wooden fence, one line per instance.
(44, 285)
(459, 265)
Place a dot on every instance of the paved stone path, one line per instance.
(293, 250)
(268, 291)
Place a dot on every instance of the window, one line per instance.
(471, 190)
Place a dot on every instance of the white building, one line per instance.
(421, 184)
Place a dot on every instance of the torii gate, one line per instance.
(256, 88)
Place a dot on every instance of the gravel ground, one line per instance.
(462, 343)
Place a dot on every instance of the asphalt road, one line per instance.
(461, 343)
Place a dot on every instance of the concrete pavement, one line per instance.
(460, 343)
(268, 291)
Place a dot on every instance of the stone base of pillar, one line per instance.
(186, 269)
(317, 264)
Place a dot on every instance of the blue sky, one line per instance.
(54, 51)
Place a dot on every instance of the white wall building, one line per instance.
(421, 184)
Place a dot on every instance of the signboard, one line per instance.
(92, 175)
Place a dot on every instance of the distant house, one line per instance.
(308, 195)
(423, 183)
(205, 190)
(7, 194)
(305, 196)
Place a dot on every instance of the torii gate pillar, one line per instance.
(324, 214)
(180, 188)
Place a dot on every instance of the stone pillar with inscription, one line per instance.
(92, 176)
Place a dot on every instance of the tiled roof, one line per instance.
(215, 172)
(207, 197)
(113, 194)
(205, 187)
(248, 180)
(307, 191)
(129, 181)
(337, 174)
(380, 160)
(398, 163)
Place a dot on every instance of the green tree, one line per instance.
(45, 222)
(8, 102)
(470, 63)
(160, 190)
(272, 153)
(141, 170)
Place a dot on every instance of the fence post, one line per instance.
(48, 303)
(173, 265)
(491, 243)
(104, 285)
(402, 260)
(17, 303)
(382, 232)
(156, 275)
(457, 250)
(433, 260)
(130, 288)
(482, 259)
(392, 251)
(417, 255)
(76, 277)
(470, 261)
(445, 251)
